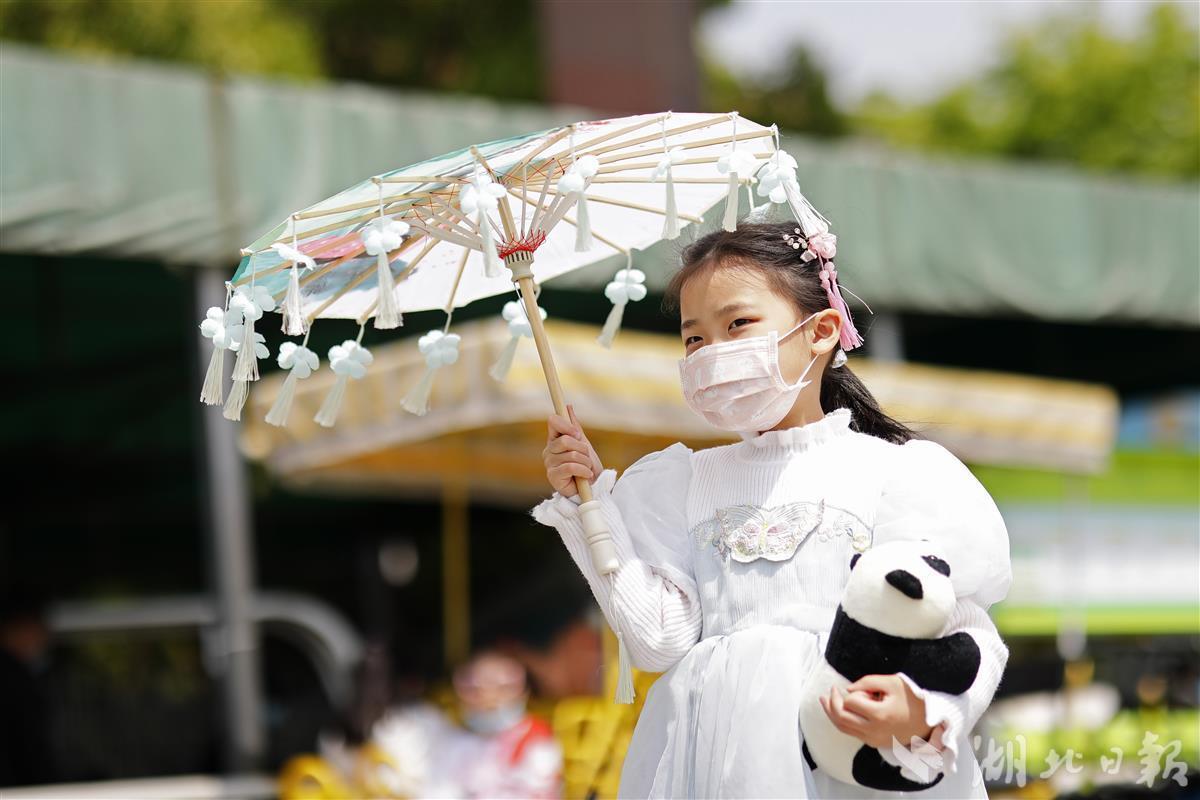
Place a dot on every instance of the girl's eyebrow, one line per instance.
(722, 311)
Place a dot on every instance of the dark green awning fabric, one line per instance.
(141, 160)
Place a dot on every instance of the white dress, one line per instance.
(732, 563)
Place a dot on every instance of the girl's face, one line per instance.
(723, 304)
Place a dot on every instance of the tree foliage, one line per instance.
(1069, 90)
(246, 36)
(796, 99)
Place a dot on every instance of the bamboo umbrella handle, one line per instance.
(599, 539)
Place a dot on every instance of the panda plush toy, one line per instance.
(894, 608)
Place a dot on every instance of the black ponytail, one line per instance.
(761, 246)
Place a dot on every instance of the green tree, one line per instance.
(797, 99)
(1068, 90)
(250, 36)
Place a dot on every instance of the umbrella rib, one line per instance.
(505, 212)
(464, 237)
(355, 281)
(590, 145)
(525, 162)
(262, 273)
(643, 179)
(685, 162)
(687, 146)
(462, 267)
(396, 198)
(705, 123)
(442, 234)
(535, 224)
(636, 206)
(458, 214)
(571, 221)
(408, 268)
(419, 179)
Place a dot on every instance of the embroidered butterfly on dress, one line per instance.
(746, 533)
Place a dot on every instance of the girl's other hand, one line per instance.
(569, 454)
(876, 708)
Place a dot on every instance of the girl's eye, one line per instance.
(691, 340)
(737, 323)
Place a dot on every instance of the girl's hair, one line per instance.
(761, 246)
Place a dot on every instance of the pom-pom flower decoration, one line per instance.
(518, 328)
(381, 237)
(440, 349)
(347, 360)
(628, 286)
(300, 362)
(574, 182)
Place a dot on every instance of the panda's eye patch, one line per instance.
(937, 564)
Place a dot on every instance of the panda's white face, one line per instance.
(901, 589)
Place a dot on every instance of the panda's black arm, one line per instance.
(949, 664)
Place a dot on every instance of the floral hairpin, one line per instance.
(822, 246)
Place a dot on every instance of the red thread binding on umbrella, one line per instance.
(527, 243)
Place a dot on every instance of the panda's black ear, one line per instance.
(854, 559)
(937, 564)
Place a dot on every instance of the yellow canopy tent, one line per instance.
(486, 437)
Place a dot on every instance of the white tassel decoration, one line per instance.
(214, 389)
(583, 225)
(575, 181)
(293, 317)
(327, 414)
(219, 325)
(380, 238)
(300, 363)
(670, 157)
(347, 360)
(250, 346)
(440, 349)
(245, 368)
(671, 220)
(729, 223)
(628, 286)
(518, 329)
(282, 406)
(250, 302)
(479, 197)
(236, 401)
(294, 323)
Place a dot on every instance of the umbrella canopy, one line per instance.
(488, 437)
(442, 261)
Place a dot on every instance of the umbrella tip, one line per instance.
(246, 251)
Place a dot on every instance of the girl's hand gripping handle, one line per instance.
(570, 456)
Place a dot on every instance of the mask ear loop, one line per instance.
(775, 357)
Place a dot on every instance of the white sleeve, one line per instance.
(932, 495)
(652, 598)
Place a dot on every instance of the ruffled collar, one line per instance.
(771, 445)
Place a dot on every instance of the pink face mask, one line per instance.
(737, 385)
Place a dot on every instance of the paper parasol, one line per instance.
(477, 223)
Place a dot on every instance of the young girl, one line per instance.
(736, 622)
